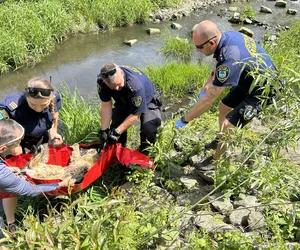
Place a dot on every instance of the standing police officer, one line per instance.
(135, 97)
(238, 57)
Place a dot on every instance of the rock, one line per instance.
(235, 18)
(247, 21)
(291, 12)
(291, 154)
(265, 9)
(193, 196)
(130, 42)
(223, 204)
(256, 220)
(233, 9)
(176, 26)
(194, 159)
(280, 3)
(246, 31)
(153, 31)
(248, 201)
(189, 183)
(210, 224)
(239, 217)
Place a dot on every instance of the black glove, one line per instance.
(103, 136)
(113, 136)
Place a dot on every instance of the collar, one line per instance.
(220, 45)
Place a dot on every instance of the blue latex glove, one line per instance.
(201, 94)
(179, 124)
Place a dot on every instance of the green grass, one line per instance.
(178, 49)
(30, 29)
(176, 80)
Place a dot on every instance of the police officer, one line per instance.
(11, 134)
(36, 110)
(238, 59)
(135, 97)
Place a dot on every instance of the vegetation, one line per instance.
(247, 12)
(30, 29)
(177, 48)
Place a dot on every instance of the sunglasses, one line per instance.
(12, 142)
(33, 92)
(108, 73)
(201, 46)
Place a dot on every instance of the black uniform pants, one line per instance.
(150, 121)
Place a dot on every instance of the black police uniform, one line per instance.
(237, 55)
(36, 124)
(138, 96)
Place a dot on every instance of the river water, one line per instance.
(77, 61)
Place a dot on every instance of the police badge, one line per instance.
(137, 101)
(223, 73)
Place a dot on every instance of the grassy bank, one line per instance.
(30, 29)
(103, 217)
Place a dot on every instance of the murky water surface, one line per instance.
(78, 60)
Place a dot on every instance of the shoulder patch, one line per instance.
(3, 114)
(222, 73)
(137, 101)
(13, 105)
(98, 87)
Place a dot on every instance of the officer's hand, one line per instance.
(113, 136)
(55, 139)
(201, 94)
(180, 123)
(103, 136)
(17, 151)
(69, 181)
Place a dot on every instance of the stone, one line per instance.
(246, 31)
(223, 204)
(247, 21)
(292, 154)
(239, 216)
(210, 224)
(189, 183)
(265, 9)
(176, 26)
(235, 18)
(153, 31)
(256, 220)
(291, 12)
(280, 3)
(193, 196)
(233, 9)
(207, 176)
(130, 42)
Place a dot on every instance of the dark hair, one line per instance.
(8, 128)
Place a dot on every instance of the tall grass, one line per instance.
(178, 49)
(176, 80)
(80, 119)
(30, 29)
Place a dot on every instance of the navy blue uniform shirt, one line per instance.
(137, 92)
(34, 123)
(235, 51)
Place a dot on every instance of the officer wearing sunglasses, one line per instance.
(135, 97)
(36, 109)
(238, 57)
(11, 134)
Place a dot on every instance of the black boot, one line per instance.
(205, 165)
(212, 145)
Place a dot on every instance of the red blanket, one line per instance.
(61, 156)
